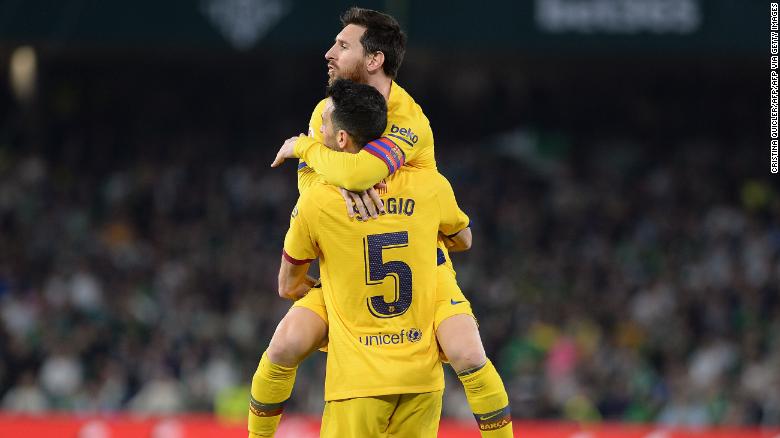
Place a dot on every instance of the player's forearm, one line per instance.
(355, 172)
(294, 283)
(298, 290)
(458, 242)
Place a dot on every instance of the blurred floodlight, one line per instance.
(244, 22)
(619, 16)
(24, 70)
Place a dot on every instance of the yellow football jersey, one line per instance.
(408, 139)
(307, 176)
(379, 282)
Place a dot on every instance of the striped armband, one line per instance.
(387, 151)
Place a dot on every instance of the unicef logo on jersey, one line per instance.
(414, 335)
(383, 339)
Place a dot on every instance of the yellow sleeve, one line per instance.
(356, 172)
(307, 176)
(453, 220)
(300, 242)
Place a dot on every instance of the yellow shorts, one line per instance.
(315, 302)
(450, 300)
(386, 416)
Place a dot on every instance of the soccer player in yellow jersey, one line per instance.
(383, 375)
(369, 49)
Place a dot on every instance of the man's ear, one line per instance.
(342, 139)
(375, 61)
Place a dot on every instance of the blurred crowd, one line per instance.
(152, 288)
(612, 280)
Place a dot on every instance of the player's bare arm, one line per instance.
(294, 283)
(458, 242)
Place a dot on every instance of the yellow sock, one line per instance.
(271, 387)
(488, 400)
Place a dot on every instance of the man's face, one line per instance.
(328, 133)
(346, 58)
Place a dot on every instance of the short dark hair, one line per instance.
(383, 34)
(358, 109)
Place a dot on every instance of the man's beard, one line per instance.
(331, 143)
(354, 74)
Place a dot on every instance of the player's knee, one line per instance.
(282, 352)
(459, 338)
(287, 349)
(295, 338)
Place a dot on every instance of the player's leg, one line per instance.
(358, 417)
(416, 416)
(300, 332)
(458, 336)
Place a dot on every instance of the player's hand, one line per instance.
(286, 151)
(354, 202)
(448, 243)
(368, 203)
(376, 201)
(303, 289)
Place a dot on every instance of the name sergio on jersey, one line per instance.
(399, 206)
(392, 206)
(413, 335)
(404, 134)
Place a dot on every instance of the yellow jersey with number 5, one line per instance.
(379, 282)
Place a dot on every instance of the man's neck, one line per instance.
(382, 83)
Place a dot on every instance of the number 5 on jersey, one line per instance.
(377, 270)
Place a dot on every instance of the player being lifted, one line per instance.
(369, 49)
(383, 376)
